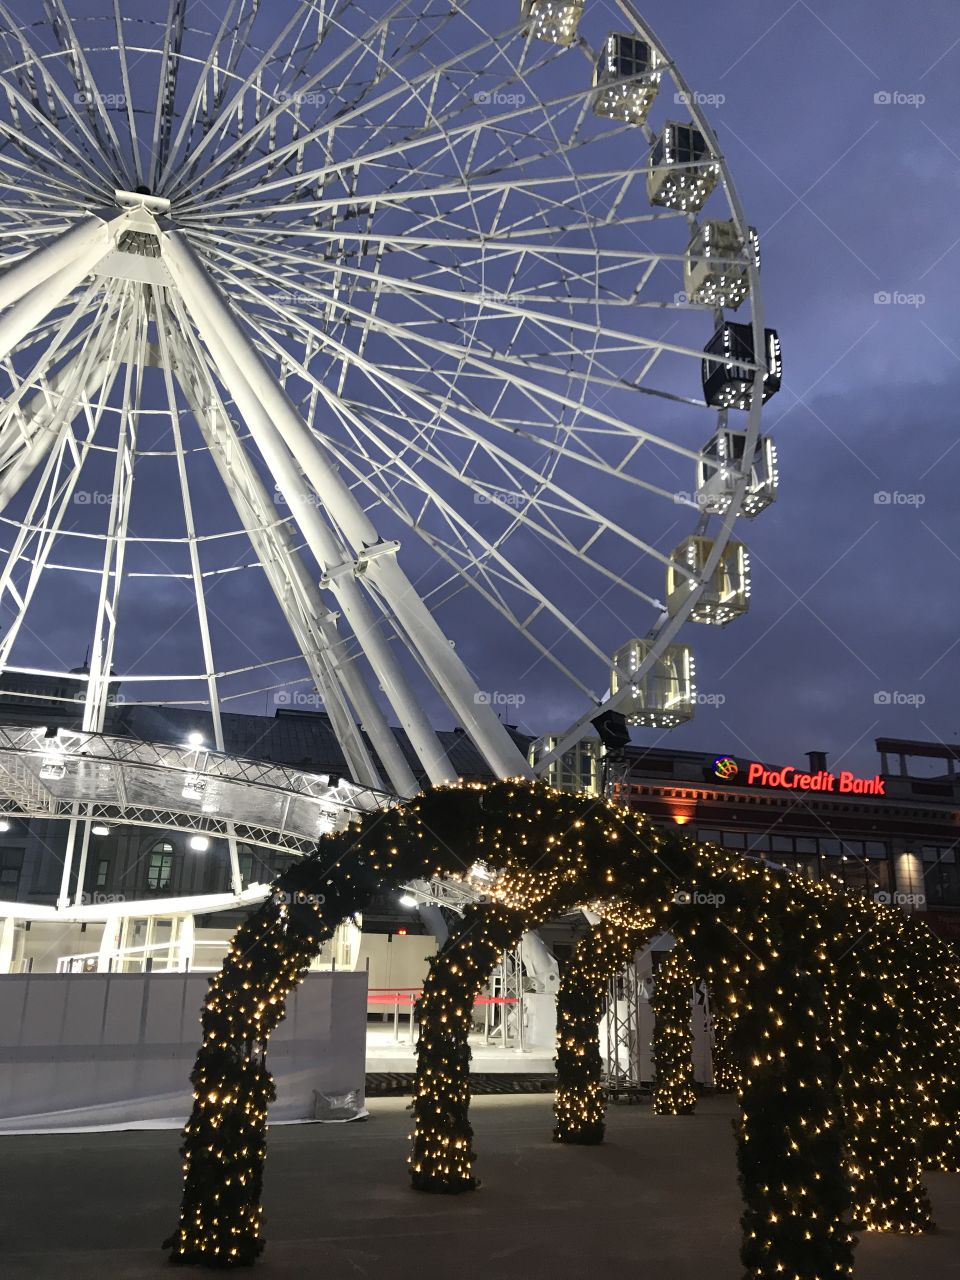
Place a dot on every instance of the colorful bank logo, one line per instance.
(726, 768)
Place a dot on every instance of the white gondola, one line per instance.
(717, 267)
(627, 79)
(721, 466)
(683, 170)
(577, 770)
(664, 695)
(555, 21)
(726, 593)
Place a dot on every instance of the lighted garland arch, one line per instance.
(784, 957)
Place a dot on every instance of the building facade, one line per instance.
(893, 835)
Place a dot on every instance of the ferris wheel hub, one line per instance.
(142, 199)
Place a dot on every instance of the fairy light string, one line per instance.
(579, 1104)
(674, 1093)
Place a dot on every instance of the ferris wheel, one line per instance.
(358, 349)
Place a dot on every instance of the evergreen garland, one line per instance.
(442, 1159)
(584, 980)
(674, 1093)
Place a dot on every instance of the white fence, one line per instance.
(115, 1050)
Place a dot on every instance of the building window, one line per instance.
(103, 872)
(11, 865)
(160, 868)
(941, 876)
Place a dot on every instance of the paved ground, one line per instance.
(657, 1202)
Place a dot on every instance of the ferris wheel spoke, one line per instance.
(131, 115)
(167, 88)
(34, 71)
(44, 159)
(88, 93)
(536, 391)
(379, 379)
(465, 561)
(517, 504)
(228, 110)
(346, 90)
(252, 170)
(491, 551)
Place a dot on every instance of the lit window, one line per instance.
(160, 869)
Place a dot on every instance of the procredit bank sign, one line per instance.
(790, 779)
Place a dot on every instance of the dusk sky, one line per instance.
(854, 196)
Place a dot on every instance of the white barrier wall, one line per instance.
(111, 1050)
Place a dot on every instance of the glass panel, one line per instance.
(831, 847)
(783, 844)
(709, 835)
(734, 839)
(875, 848)
(806, 845)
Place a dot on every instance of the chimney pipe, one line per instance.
(818, 761)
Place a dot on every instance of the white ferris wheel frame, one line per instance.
(360, 568)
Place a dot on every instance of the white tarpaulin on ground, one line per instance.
(114, 1050)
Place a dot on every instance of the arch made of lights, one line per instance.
(785, 956)
(599, 955)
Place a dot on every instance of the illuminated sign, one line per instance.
(791, 779)
(726, 768)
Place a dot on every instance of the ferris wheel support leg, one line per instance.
(402, 600)
(88, 236)
(311, 624)
(41, 424)
(330, 555)
(459, 688)
(357, 612)
(34, 307)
